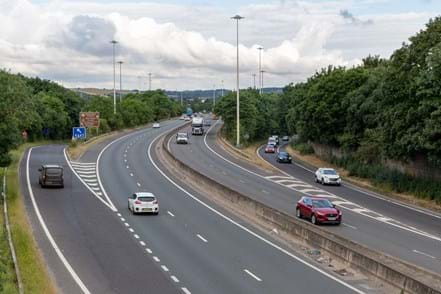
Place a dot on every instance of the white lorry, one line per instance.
(197, 126)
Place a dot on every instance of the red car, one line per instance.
(318, 210)
(270, 149)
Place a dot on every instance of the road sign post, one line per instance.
(79, 133)
(90, 119)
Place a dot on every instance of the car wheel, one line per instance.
(322, 181)
(313, 220)
(156, 213)
(315, 179)
(338, 223)
(298, 213)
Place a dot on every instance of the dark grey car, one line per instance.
(51, 175)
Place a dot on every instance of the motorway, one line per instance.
(93, 244)
(410, 234)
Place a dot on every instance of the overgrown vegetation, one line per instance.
(259, 115)
(7, 273)
(46, 110)
(383, 109)
(34, 274)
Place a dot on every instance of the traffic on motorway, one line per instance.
(252, 146)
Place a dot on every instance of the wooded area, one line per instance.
(46, 110)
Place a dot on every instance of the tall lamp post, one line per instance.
(120, 80)
(222, 90)
(260, 48)
(254, 79)
(214, 96)
(114, 89)
(237, 18)
(150, 81)
(261, 74)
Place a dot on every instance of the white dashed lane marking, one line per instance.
(253, 275)
(155, 258)
(424, 254)
(202, 238)
(174, 279)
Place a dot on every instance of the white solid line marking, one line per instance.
(138, 184)
(156, 259)
(266, 241)
(136, 236)
(171, 214)
(142, 243)
(425, 254)
(174, 279)
(123, 219)
(253, 275)
(185, 290)
(202, 238)
(148, 251)
(86, 172)
(48, 234)
(84, 183)
(77, 163)
(164, 268)
(87, 176)
(352, 227)
(127, 225)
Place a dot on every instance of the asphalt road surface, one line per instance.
(90, 251)
(200, 246)
(409, 234)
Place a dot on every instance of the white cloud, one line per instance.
(189, 47)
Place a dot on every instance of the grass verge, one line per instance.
(8, 282)
(33, 269)
(365, 182)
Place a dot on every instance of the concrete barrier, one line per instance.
(395, 272)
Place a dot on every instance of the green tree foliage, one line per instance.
(380, 109)
(258, 114)
(47, 110)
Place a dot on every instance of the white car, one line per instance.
(156, 125)
(272, 141)
(143, 202)
(327, 176)
(181, 138)
(187, 118)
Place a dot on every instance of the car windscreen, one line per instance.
(321, 203)
(270, 146)
(283, 154)
(329, 172)
(182, 135)
(146, 198)
(54, 171)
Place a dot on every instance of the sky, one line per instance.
(192, 44)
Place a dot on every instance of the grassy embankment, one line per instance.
(31, 264)
(416, 191)
(7, 274)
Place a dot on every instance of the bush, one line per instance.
(424, 188)
(303, 148)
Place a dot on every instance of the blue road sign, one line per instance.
(79, 133)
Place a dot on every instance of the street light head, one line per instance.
(237, 17)
(114, 42)
(260, 48)
(120, 62)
